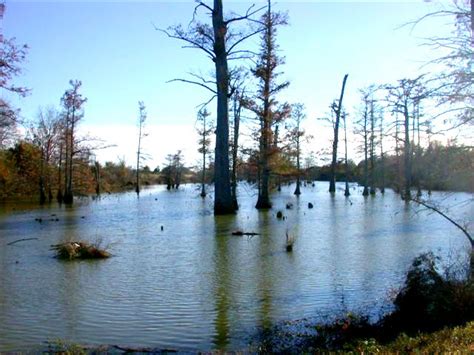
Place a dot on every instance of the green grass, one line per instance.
(457, 339)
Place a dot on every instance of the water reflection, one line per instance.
(222, 276)
(194, 286)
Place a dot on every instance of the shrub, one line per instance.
(428, 301)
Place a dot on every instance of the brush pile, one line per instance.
(79, 250)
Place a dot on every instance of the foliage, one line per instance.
(11, 56)
(264, 104)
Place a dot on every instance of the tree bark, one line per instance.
(223, 200)
(298, 169)
(235, 148)
(332, 182)
(68, 194)
(263, 201)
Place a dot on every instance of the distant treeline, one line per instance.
(438, 167)
(23, 173)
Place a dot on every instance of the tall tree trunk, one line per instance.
(298, 169)
(203, 176)
(418, 152)
(407, 152)
(235, 149)
(59, 195)
(204, 151)
(366, 159)
(66, 158)
(382, 159)
(346, 166)
(223, 203)
(137, 189)
(97, 178)
(366, 152)
(68, 195)
(42, 189)
(372, 148)
(398, 186)
(263, 201)
(332, 182)
(275, 147)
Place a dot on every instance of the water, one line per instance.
(194, 286)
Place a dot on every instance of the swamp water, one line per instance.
(194, 286)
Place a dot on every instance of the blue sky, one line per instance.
(121, 59)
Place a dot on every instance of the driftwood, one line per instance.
(21, 240)
(144, 350)
(240, 233)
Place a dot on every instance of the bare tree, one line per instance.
(295, 136)
(382, 154)
(337, 108)
(141, 135)
(220, 43)
(46, 134)
(453, 87)
(400, 98)
(362, 129)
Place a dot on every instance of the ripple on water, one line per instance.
(194, 286)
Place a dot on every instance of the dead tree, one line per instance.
(337, 110)
(141, 135)
(453, 84)
(399, 99)
(46, 135)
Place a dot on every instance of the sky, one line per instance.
(120, 57)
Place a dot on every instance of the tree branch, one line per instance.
(195, 83)
(434, 209)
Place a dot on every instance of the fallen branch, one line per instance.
(21, 240)
(240, 233)
(441, 213)
(143, 350)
